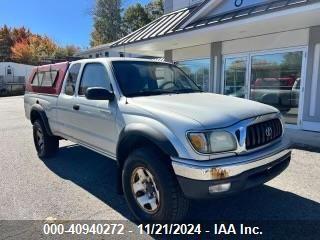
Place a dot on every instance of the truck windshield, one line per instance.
(138, 78)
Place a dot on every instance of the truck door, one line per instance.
(66, 122)
(95, 118)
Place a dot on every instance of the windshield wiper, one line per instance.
(160, 92)
(187, 90)
(147, 93)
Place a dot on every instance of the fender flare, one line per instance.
(130, 134)
(38, 110)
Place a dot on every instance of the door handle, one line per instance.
(107, 112)
(76, 107)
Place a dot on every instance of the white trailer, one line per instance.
(13, 77)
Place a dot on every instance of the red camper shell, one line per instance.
(47, 79)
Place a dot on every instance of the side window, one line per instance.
(37, 79)
(49, 79)
(94, 75)
(72, 79)
(45, 79)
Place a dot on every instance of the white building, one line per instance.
(103, 51)
(264, 50)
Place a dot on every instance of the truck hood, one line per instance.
(208, 109)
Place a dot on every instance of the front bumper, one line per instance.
(240, 172)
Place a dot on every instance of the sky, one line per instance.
(65, 21)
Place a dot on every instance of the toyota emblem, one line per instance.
(268, 131)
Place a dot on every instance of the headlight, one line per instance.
(213, 142)
(222, 141)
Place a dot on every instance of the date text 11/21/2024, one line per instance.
(197, 229)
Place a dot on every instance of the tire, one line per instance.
(46, 146)
(171, 205)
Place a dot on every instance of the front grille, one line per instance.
(263, 133)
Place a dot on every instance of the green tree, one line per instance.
(6, 43)
(107, 22)
(67, 51)
(154, 9)
(134, 18)
(42, 47)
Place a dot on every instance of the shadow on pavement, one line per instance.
(97, 175)
(91, 171)
(305, 147)
(261, 203)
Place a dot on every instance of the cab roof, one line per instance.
(114, 59)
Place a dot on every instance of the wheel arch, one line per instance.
(37, 112)
(140, 135)
(136, 136)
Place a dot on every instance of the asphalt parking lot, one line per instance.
(80, 184)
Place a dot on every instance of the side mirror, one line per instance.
(98, 93)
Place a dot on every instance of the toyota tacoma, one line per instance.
(171, 141)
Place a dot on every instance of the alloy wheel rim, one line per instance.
(145, 190)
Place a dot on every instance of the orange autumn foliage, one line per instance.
(31, 49)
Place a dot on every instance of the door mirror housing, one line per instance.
(99, 93)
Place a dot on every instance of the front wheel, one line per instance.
(151, 189)
(45, 144)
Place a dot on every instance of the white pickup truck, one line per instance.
(171, 141)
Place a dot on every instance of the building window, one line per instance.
(271, 78)
(9, 71)
(121, 54)
(106, 54)
(97, 55)
(198, 70)
(235, 70)
(90, 56)
(275, 80)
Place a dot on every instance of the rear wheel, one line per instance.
(151, 189)
(45, 144)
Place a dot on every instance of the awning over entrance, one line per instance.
(175, 23)
(251, 11)
(160, 27)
